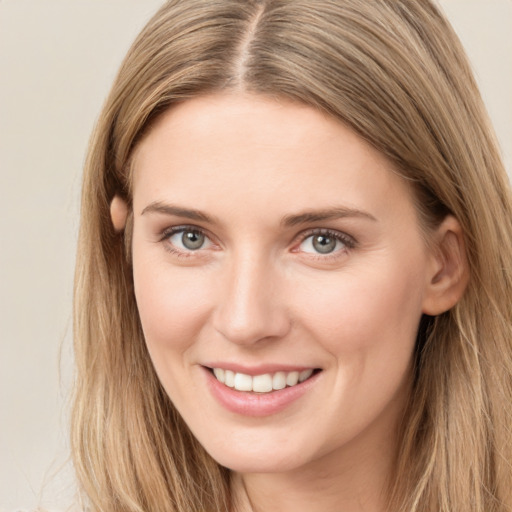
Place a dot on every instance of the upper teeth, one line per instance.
(260, 383)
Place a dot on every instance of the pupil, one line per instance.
(324, 244)
(192, 240)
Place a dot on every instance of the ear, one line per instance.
(118, 213)
(449, 272)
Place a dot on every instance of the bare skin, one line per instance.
(267, 237)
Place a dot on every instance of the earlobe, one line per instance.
(449, 275)
(118, 213)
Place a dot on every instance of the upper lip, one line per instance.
(259, 369)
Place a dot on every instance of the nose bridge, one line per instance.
(251, 307)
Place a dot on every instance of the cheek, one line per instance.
(171, 305)
(360, 313)
(368, 323)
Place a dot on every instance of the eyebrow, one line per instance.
(328, 214)
(178, 211)
(287, 221)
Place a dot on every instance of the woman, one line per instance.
(293, 283)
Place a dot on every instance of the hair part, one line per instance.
(394, 72)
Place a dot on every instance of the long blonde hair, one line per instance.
(395, 72)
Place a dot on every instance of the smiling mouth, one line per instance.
(265, 383)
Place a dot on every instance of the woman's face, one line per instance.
(273, 244)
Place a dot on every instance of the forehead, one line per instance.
(240, 150)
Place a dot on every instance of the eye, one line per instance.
(325, 242)
(187, 239)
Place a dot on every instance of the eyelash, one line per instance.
(348, 241)
(168, 233)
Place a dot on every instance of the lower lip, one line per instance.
(257, 404)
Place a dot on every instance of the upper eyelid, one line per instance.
(165, 235)
(341, 235)
(171, 230)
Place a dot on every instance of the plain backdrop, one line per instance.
(57, 61)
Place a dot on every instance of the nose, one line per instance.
(252, 305)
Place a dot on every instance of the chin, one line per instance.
(260, 457)
(245, 464)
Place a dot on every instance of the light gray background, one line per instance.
(57, 61)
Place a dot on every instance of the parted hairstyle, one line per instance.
(394, 72)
